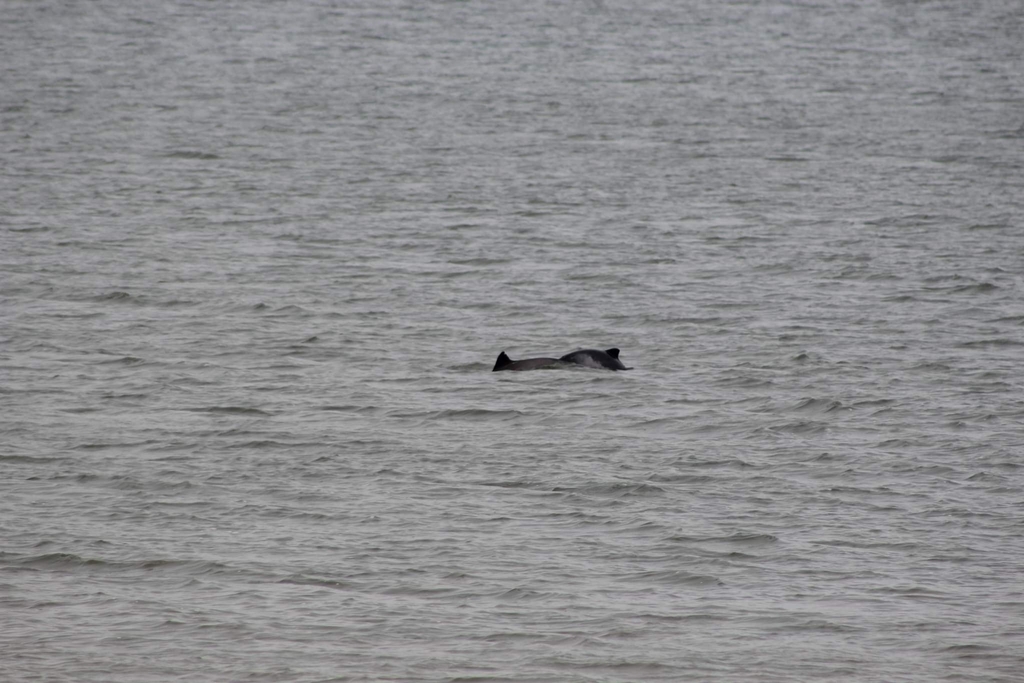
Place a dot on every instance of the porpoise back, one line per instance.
(506, 363)
(593, 358)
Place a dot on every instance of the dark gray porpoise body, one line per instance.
(506, 363)
(589, 358)
(592, 358)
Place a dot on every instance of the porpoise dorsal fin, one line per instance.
(614, 353)
(502, 361)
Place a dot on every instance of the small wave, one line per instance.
(986, 343)
(986, 477)
(883, 277)
(468, 226)
(799, 427)
(417, 591)
(260, 444)
(191, 154)
(113, 296)
(912, 592)
(681, 617)
(732, 463)
(683, 478)
(821, 625)
(333, 584)
(745, 382)
(818, 405)
(827, 457)
(122, 482)
(859, 490)
(175, 303)
(705, 320)
(1017, 319)
(905, 220)
(102, 446)
(31, 229)
(467, 414)
(870, 546)
(230, 410)
(872, 403)
(123, 360)
(646, 424)
(29, 459)
(518, 593)
(77, 315)
(676, 577)
(510, 484)
(350, 409)
(128, 397)
(476, 367)
(616, 490)
(59, 561)
(746, 539)
(289, 310)
(932, 366)
(973, 651)
(455, 274)
(979, 288)
(193, 566)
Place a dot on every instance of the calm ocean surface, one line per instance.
(257, 260)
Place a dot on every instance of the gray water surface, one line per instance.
(257, 260)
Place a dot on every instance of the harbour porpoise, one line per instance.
(506, 363)
(589, 358)
(592, 358)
